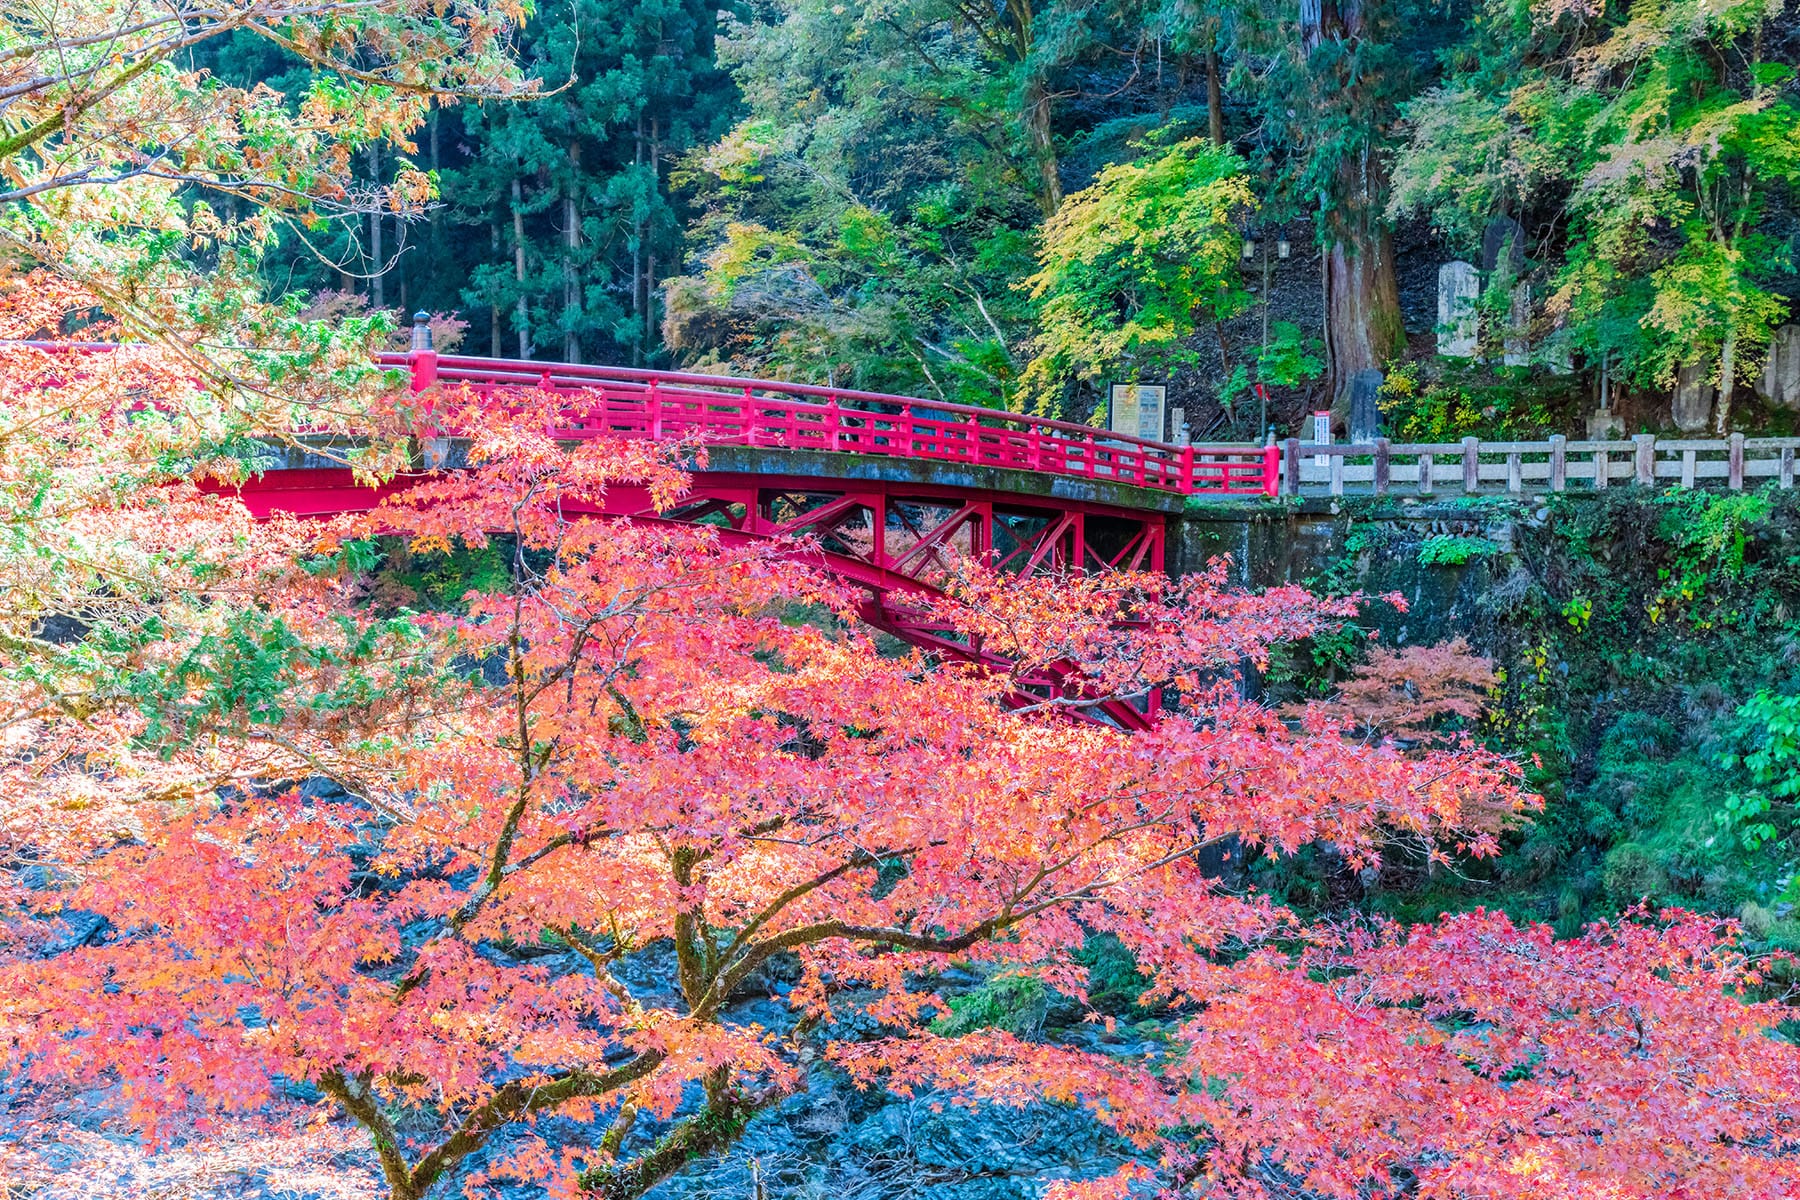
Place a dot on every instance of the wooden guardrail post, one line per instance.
(1645, 452)
(1425, 481)
(1689, 458)
(1383, 466)
(1734, 463)
(1559, 462)
(1337, 474)
(1290, 466)
(1515, 472)
(1787, 467)
(1471, 464)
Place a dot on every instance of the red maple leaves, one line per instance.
(646, 736)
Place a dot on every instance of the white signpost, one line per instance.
(1321, 437)
(1137, 410)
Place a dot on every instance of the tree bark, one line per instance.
(571, 246)
(521, 315)
(1215, 104)
(1362, 307)
(1043, 148)
(1727, 369)
(637, 258)
(1363, 327)
(494, 309)
(650, 249)
(377, 267)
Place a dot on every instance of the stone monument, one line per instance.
(1503, 248)
(1365, 407)
(1503, 266)
(1780, 380)
(1459, 287)
(1692, 405)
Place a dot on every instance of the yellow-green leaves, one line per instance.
(1134, 264)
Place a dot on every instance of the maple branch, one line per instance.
(862, 858)
(601, 961)
(716, 1126)
(353, 1095)
(517, 1099)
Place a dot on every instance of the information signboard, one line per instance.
(1137, 409)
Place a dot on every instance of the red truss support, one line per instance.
(898, 541)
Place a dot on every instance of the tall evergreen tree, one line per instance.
(1327, 79)
(565, 208)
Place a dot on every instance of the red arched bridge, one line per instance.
(888, 487)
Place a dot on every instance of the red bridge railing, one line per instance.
(670, 405)
(667, 405)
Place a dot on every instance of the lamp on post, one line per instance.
(1253, 238)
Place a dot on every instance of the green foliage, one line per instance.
(400, 578)
(1448, 400)
(1018, 1004)
(1770, 753)
(1313, 666)
(1114, 982)
(1132, 265)
(558, 219)
(1289, 360)
(252, 673)
(1452, 550)
(1670, 138)
(1662, 730)
(1710, 535)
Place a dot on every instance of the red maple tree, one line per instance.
(332, 842)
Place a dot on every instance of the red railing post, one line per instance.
(1185, 484)
(835, 418)
(654, 411)
(1271, 470)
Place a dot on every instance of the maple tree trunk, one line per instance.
(712, 1129)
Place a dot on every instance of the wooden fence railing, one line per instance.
(1476, 467)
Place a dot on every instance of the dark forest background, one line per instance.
(1013, 204)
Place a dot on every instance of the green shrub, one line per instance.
(1450, 550)
(1632, 873)
(1446, 401)
(1017, 1004)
